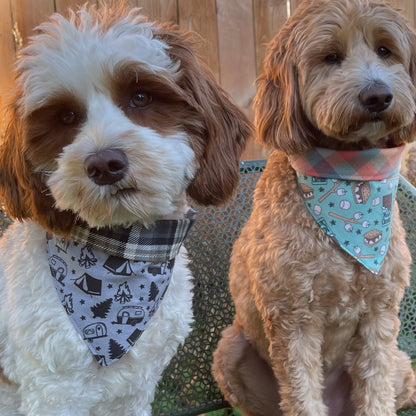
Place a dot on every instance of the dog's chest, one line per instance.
(28, 294)
(343, 299)
(342, 304)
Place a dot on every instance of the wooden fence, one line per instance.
(235, 34)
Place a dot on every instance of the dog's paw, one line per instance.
(411, 403)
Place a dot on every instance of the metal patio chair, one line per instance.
(187, 387)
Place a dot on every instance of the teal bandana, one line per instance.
(351, 196)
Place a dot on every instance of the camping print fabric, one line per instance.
(109, 299)
(356, 212)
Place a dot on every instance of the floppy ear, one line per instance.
(13, 171)
(408, 133)
(22, 189)
(227, 131)
(219, 130)
(411, 38)
(279, 117)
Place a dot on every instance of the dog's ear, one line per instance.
(411, 38)
(407, 133)
(279, 117)
(219, 129)
(226, 132)
(22, 189)
(13, 169)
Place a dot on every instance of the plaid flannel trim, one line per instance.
(364, 165)
(158, 243)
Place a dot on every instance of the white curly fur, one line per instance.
(105, 80)
(46, 356)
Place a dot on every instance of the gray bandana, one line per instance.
(111, 281)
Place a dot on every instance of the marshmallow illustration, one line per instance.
(376, 201)
(345, 204)
(317, 210)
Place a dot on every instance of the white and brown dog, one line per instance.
(315, 331)
(113, 122)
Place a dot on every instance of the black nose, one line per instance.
(377, 97)
(106, 167)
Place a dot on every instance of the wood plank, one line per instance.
(28, 14)
(7, 53)
(254, 150)
(269, 16)
(236, 50)
(62, 6)
(159, 10)
(408, 9)
(200, 16)
(294, 4)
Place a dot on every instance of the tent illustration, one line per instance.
(118, 266)
(62, 245)
(89, 285)
(101, 360)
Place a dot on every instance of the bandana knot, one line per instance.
(351, 194)
(111, 281)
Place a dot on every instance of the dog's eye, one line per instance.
(333, 58)
(383, 52)
(140, 99)
(67, 117)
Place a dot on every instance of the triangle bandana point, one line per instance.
(351, 195)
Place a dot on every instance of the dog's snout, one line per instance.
(106, 167)
(377, 97)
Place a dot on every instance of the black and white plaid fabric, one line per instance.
(158, 243)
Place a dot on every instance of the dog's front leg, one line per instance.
(295, 352)
(372, 364)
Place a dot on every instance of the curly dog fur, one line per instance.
(319, 329)
(114, 121)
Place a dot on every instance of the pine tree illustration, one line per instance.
(101, 309)
(153, 292)
(115, 350)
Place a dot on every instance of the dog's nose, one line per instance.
(377, 97)
(106, 167)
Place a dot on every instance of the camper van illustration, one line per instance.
(93, 331)
(58, 269)
(130, 315)
(160, 268)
